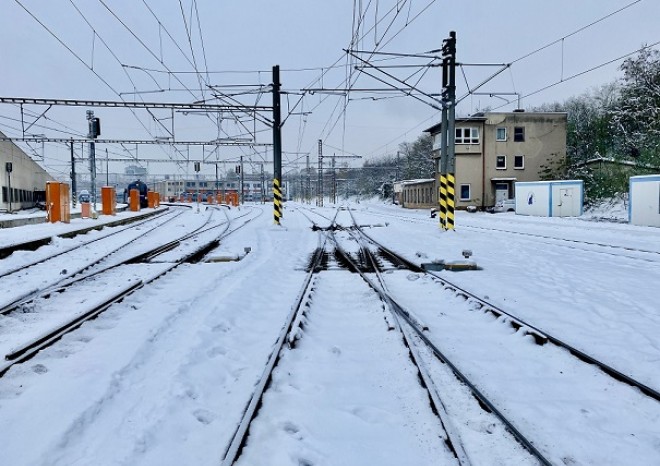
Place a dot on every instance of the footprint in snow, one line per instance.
(39, 369)
(204, 416)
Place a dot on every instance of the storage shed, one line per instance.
(550, 198)
(644, 206)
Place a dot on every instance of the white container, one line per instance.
(644, 205)
(550, 198)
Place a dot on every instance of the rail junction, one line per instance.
(350, 349)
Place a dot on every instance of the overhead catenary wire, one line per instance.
(583, 72)
(535, 51)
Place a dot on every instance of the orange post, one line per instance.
(85, 210)
(109, 200)
(151, 201)
(218, 198)
(65, 203)
(134, 202)
(232, 199)
(57, 202)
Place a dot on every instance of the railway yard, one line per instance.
(212, 336)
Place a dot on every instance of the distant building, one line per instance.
(135, 171)
(254, 190)
(23, 180)
(415, 193)
(496, 149)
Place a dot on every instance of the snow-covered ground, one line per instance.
(162, 377)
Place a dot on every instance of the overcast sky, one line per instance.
(121, 49)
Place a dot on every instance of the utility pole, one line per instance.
(308, 191)
(217, 185)
(448, 133)
(277, 147)
(8, 168)
(197, 167)
(74, 191)
(319, 190)
(107, 170)
(263, 185)
(396, 176)
(94, 132)
(334, 181)
(242, 183)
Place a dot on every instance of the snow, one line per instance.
(162, 377)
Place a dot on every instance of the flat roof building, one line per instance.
(23, 180)
(496, 149)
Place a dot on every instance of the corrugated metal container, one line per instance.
(550, 198)
(644, 206)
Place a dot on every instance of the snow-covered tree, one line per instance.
(416, 158)
(635, 116)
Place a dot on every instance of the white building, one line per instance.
(550, 198)
(644, 206)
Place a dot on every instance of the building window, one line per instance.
(465, 192)
(500, 162)
(500, 134)
(467, 136)
(519, 134)
(518, 162)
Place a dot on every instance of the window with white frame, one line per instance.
(465, 193)
(519, 162)
(500, 134)
(467, 135)
(500, 162)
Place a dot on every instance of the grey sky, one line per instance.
(303, 37)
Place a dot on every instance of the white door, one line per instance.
(565, 202)
(501, 192)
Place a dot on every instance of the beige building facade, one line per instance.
(496, 149)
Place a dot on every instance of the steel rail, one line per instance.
(541, 336)
(29, 349)
(405, 315)
(73, 248)
(33, 245)
(575, 241)
(453, 439)
(34, 293)
(232, 451)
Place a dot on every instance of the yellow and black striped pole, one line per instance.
(277, 201)
(451, 201)
(277, 147)
(442, 200)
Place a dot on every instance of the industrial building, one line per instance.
(23, 180)
(496, 149)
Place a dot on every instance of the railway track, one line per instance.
(540, 336)
(57, 268)
(55, 310)
(31, 261)
(458, 309)
(597, 247)
(34, 244)
(330, 307)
